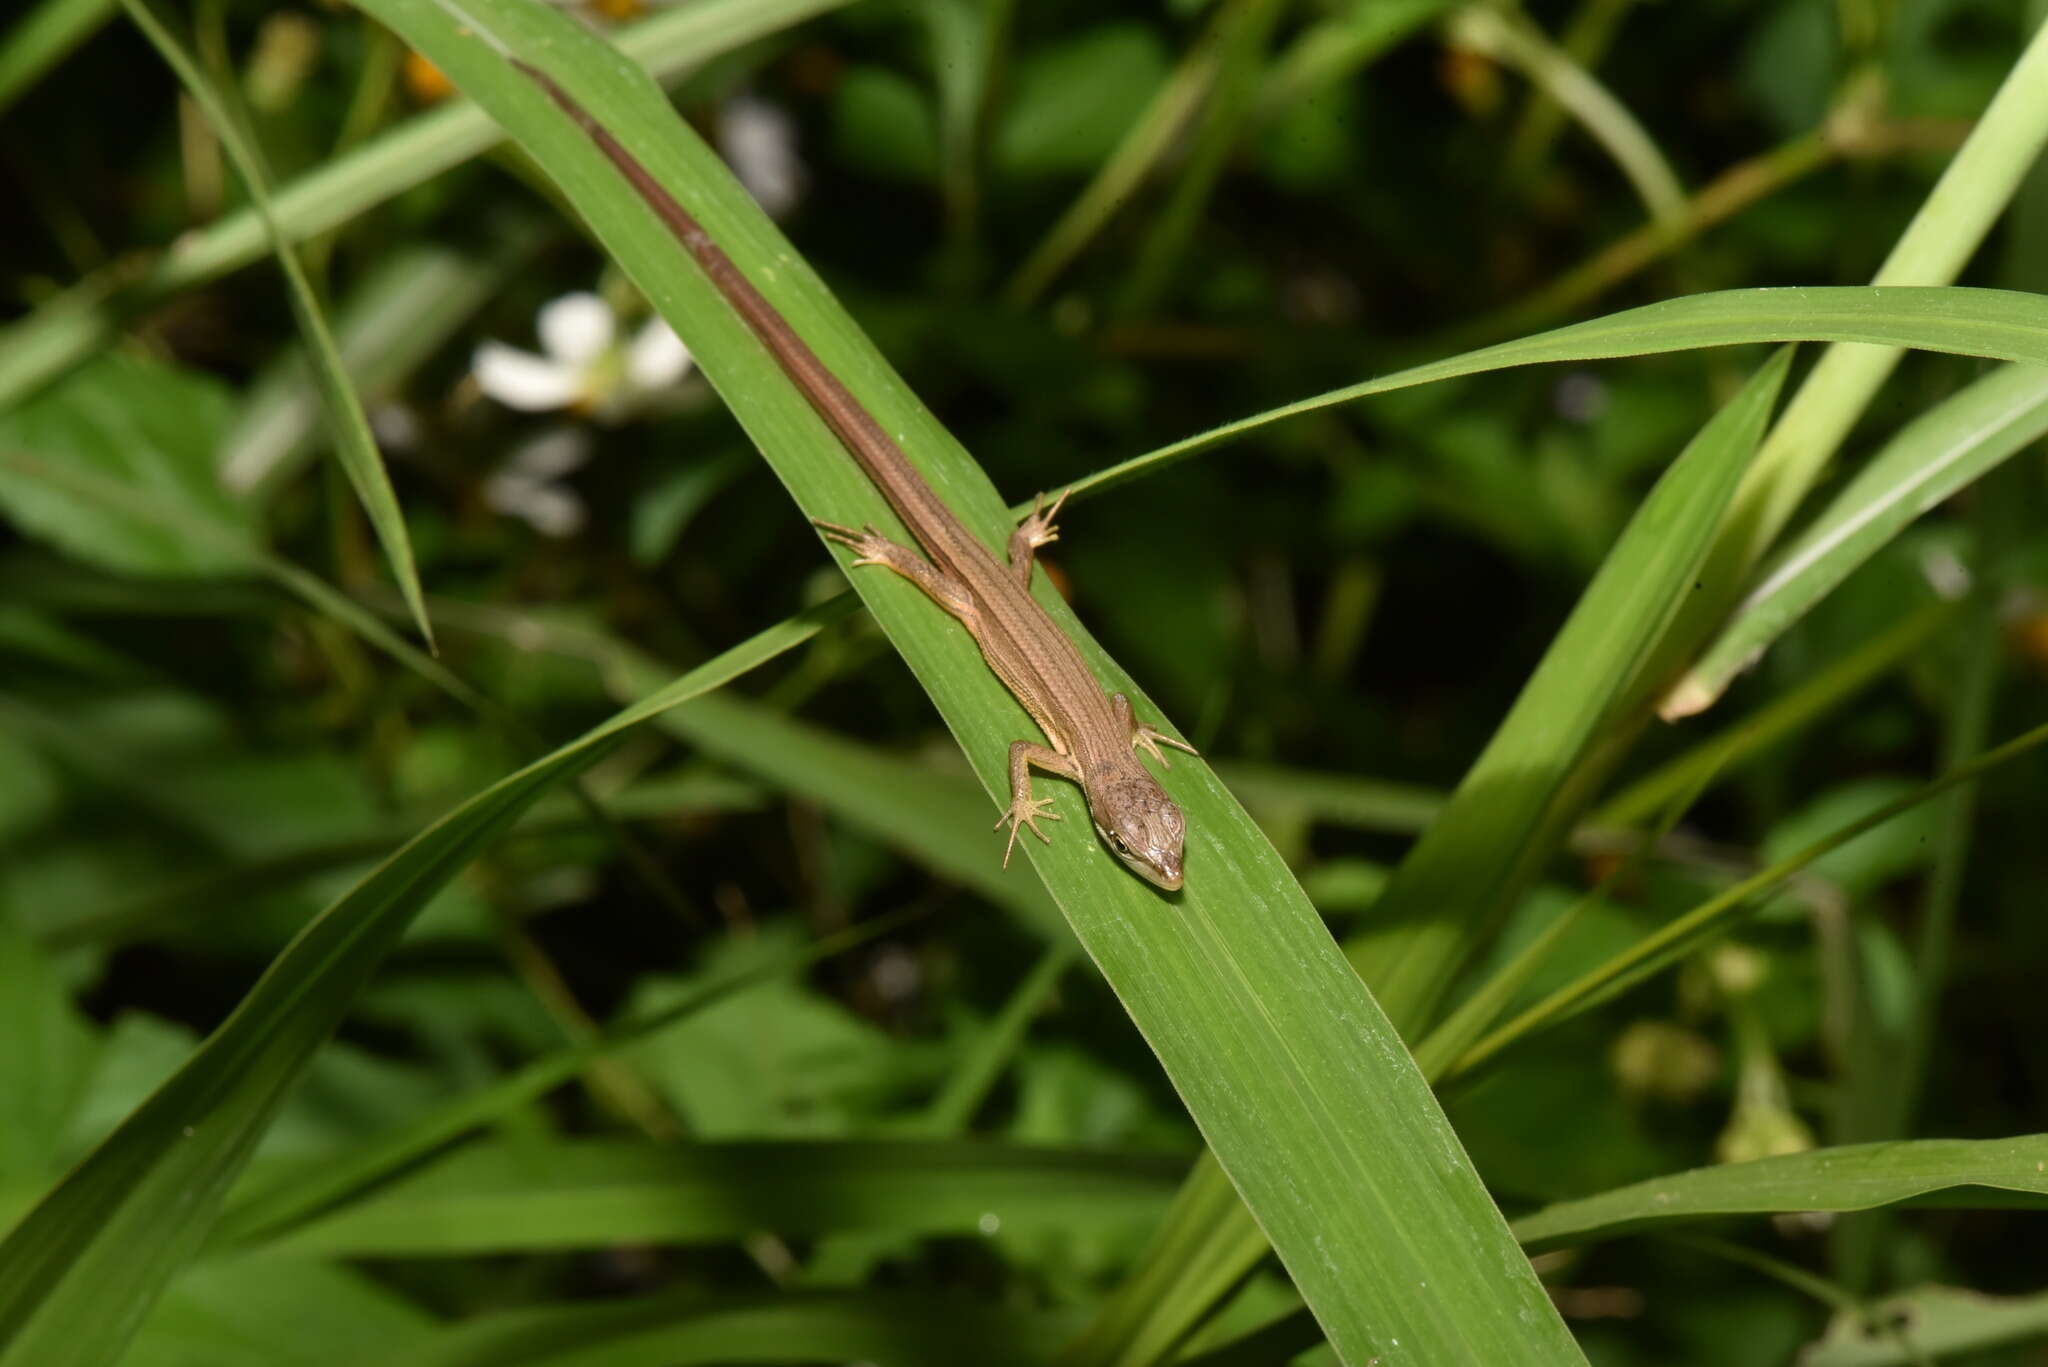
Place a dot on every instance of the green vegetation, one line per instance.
(477, 888)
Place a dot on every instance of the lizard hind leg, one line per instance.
(870, 547)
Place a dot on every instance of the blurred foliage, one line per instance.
(193, 761)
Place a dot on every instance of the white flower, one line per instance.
(528, 484)
(581, 364)
(758, 140)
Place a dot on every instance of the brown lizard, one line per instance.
(1095, 735)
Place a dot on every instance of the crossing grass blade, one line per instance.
(79, 1272)
(1958, 1173)
(1933, 457)
(1299, 1085)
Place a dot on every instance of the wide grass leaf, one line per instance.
(1503, 820)
(1297, 1081)
(80, 1271)
(1962, 1173)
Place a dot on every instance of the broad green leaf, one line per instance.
(1500, 824)
(514, 1195)
(85, 322)
(348, 424)
(1927, 1324)
(146, 427)
(1933, 457)
(1297, 1082)
(1961, 1173)
(687, 1330)
(79, 1273)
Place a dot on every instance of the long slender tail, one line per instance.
(886, 465)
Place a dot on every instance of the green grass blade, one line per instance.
(2005, 325)
(1964, 1173)
(86, 321)
(687, 1330)
(1937, 454)
(1494, 833)
(520, 1196)
(349, 425)
(1298, 1083)
(1779, 720)
(78, 1273)
(43, 37)
(1718, 914)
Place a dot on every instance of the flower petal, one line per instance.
(758, 139)
(552, 454)
(657, 358)
(519, 379)
(576, 329)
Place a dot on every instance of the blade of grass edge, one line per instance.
(78, 1273)
(350, 426)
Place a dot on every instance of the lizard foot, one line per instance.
(869, 546)
(1149, 739)
(1038, 528)
(1026, 811)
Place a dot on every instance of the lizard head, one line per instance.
(1141, 826)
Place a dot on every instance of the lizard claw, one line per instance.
(1038, 528)
(1026, 811)
(866, 544)
(1149, 739)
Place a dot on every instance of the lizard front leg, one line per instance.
(1034, 531)
(1026, 810)
(1145, 737)
(870, 547)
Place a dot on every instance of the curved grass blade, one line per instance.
(2005, 325)
(1937, 454)
(350, 426)
(78, 1273)
(1297, 1081)
(1979, 1174)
